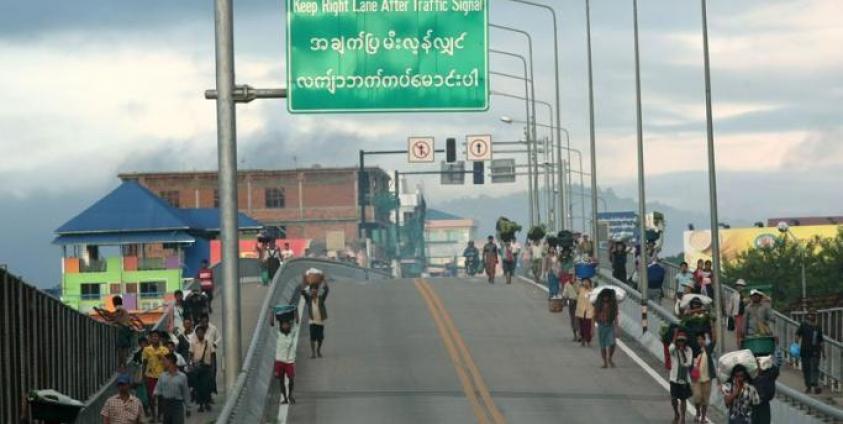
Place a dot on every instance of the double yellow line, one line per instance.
(473, 386)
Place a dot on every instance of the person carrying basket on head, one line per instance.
(316, 310)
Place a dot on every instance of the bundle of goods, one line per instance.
(620, 294)
(760, 345)
(313, 277)
(507, 229)
(688, 298)
(556, 304)
(536, 233)
(585, 269)
(284, 312)
(727, 363)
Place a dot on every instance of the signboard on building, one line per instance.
(621, 225)
(453, 173)
(478, 147)
(735, 241)
(503, 171)
(420, 150)
(389, 55)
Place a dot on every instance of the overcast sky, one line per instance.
(91, 88)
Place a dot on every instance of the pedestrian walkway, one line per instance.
(252, 293)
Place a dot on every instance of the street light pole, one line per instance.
(227, 156)
(534, 158)
(592, 140)
(642, 207)
(712, 188)
(560, 182)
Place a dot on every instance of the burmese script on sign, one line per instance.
(387, 55)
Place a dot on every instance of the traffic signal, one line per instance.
(363, 187)
(478, 172)
(450, 150)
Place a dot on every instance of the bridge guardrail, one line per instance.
(246, 400)
(46, 344)
(790, 406)
(784, 327)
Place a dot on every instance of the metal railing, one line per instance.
(47, 345)
(784, 328)
(783, 325)
(246, 400)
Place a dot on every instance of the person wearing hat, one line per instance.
(757, 316)
(680, 378)
(735, 309)
(122, 408)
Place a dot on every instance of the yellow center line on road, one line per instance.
(467, 388)
(465, 356)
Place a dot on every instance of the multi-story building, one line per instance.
(319, 204)
(446, 236)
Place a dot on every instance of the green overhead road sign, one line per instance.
(387, 55)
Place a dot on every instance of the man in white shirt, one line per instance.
(683, 278)
(317, 312)
(287, 253)
(285, 359)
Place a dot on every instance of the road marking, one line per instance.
(453, 355)
(495, 413)
(283, 408)
(632, 355)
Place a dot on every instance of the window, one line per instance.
(274, 198)
(90, 291)
(171, 197)
(216, 198)
(152, 289)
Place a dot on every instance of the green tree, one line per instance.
(780, 265)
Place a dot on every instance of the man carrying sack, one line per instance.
(316, 311)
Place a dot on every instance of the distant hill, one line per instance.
(487, 209)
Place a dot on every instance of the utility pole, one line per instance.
(227, 155)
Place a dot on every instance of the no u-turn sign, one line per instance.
(420, 150)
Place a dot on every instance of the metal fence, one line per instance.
(47, 345)
(246, 400)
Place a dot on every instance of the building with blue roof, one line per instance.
(134, 244)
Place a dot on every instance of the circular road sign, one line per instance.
(420, 149)
(478, 147)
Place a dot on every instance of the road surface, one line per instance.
(460, 351)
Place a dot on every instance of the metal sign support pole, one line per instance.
(227, 152)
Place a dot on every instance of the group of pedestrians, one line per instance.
(170, 370)
(506, 254)
(314, 291)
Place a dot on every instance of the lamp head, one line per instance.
(506, 119)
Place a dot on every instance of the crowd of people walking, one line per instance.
(171, 370)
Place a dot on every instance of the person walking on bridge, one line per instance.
(317, 313)
(122, 408)
(510, 258)
(569, 296)
(810, 335)
(680, 382)
(490, 258)
(173, 392)
(205, 276)
(153, 366)
(285, 359)
(551, 269)
(585, 312)
(606, 314)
